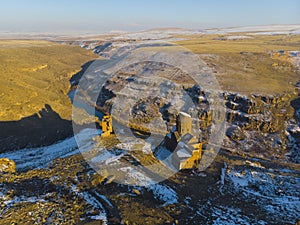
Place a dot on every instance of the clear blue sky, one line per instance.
(106, 15)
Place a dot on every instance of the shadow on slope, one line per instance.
(76, 77)
(40, 129)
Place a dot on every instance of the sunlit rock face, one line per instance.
(7, 166)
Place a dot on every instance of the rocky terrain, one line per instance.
(259, 124)
(254, 178)
(233, 190)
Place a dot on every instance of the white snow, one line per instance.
(277, 193)
(104, 156)
(160, 191)
(293, 128)
(134, 145)
(104, 199)
(239, 179)
(97, 205)
(157, 34)
(277, 32)
(237, 37)
(182, 153)
(266, 30)
(231, 216)
(93, 202)
(135, 177)
(147, 149)
(31, 158)
(23, 199)
(223, 171)
(164, 193)
(272, 30)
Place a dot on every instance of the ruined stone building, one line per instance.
(185, 147)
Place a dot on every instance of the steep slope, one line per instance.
(35, 107)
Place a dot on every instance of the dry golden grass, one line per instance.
(251, 72)
(35, 73)
(210, 44)
(24, 43)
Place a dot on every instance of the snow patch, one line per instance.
(164, 193)
(161, 192)
(31, 158)
(278, 192)
(104, 199)
(97, 205)
(135, 177)
(238, 37)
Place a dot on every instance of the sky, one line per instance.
(133, 15)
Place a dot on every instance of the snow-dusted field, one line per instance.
(266, 30)
(31, 158)
(278, 193)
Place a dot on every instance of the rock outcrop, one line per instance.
(259, 124)
(7, 166)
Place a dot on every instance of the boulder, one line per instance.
(235, 133)
(7, 166)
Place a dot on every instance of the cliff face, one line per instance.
(293, 132)
(258, 125)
